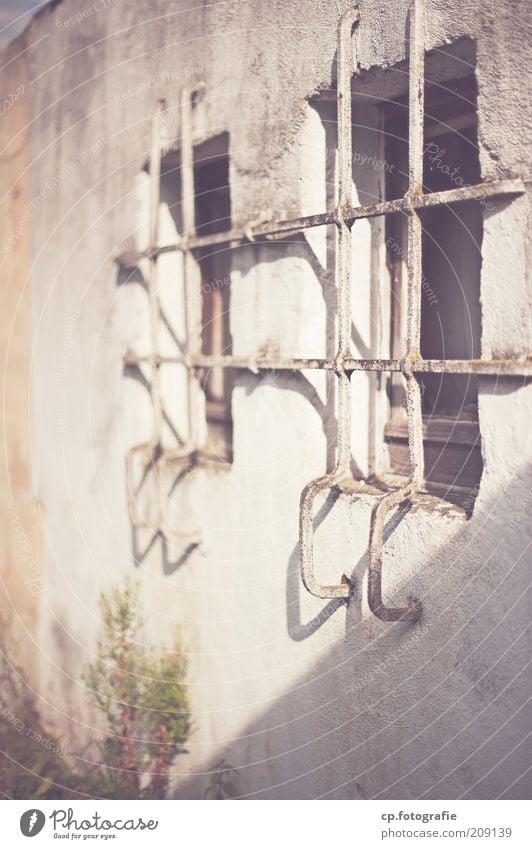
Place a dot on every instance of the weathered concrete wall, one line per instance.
(20, 530)
(306, 699)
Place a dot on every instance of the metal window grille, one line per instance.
(411, 366)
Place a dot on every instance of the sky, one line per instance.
(10, 11)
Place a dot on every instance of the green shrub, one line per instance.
(141, 694)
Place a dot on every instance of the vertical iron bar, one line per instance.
(343, 317)
(416, 84)
(414, 261)
(345, 197)
(416, 95)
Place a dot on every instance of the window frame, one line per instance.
(451, 439)
(412, 366)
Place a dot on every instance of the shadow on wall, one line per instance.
(245, 260)
(434, 710)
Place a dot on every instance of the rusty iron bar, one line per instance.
(412, 611)
(495, 368)
(343, 316)
(255, 232)
(416, 109)
(254, 364)
(257, 363)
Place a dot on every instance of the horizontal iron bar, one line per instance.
(493, 188)
(497, 368)
(253, 364)
(272, 229)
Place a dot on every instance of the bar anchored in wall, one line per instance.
(343, 365)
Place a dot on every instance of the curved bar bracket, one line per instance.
(145, 449)
(157, 460)
(306, 539)
(412, 612)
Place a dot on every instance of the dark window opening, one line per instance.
(213, 215)
(450, 315)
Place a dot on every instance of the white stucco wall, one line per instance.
(306, 699)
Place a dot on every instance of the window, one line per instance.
(450, 312)
(452, 400)
(213, 215)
